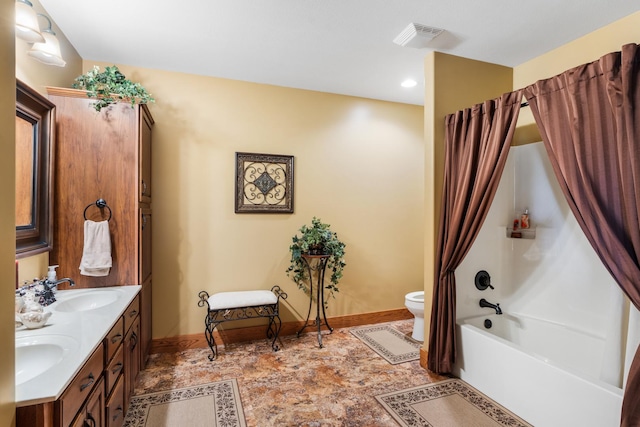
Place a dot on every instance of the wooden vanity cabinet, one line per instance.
(100, 392)
(104, 155)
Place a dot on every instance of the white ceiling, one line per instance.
(337, 46)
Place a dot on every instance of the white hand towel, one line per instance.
(96, 255)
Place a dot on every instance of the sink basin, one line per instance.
(88, 301)
(37, 354)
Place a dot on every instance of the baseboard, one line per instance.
(186, 342)
(423, 357)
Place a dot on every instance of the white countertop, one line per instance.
(87, 328)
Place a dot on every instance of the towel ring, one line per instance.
(100, 203)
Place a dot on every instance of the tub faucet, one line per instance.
(496, 307)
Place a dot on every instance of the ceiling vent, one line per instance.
(417, 36)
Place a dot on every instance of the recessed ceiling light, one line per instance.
(409, 83)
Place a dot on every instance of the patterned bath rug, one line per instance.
(449, 403)
(389, 343)
(209, 405)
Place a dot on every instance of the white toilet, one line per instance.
(414, 301)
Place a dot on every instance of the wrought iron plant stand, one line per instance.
(316, 263)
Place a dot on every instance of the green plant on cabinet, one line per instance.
(111, 86)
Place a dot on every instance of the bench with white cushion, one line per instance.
(239, 305)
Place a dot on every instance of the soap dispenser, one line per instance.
(51, 274)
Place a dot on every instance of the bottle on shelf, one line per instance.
(524, 219)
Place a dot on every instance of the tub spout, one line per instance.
(496, 307)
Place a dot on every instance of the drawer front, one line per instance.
(114, 369)
(131, 313)
(114, 339)
(76, 393)
(115, 405)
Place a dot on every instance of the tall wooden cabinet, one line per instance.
(104, 155)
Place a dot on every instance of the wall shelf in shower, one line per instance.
(527, 233)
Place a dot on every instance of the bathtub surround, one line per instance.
(394, 346)
(216, 404)
(601, 99)
(477, 143)
(539, 279)
(450, 402)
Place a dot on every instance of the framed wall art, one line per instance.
(264, 183)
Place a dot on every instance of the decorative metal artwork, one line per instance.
(264, 183)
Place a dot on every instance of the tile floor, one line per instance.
(300, 385)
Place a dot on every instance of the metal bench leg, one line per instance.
(273, 330)
(209, 327)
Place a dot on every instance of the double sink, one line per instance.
(48, 358)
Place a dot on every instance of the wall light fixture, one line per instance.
(27, 27)
(49, 51)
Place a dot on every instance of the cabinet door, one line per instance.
(115, 405)
(92, 414)
(145, 322)
(96, 407)
(104, 149)
(145, 156)
(145, 245)
(131, 360)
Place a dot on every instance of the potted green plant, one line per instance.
(317, 239)
(111, 86)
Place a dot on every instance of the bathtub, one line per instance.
(544, 372)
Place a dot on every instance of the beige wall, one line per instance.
(358, 166)
(7, 211)
(580, 51)
(454, 83)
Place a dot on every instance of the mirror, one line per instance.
(34, 168)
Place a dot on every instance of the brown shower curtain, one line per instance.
(589, 119)
(477, 143)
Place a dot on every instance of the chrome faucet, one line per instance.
(51, 285)
(496, 307)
